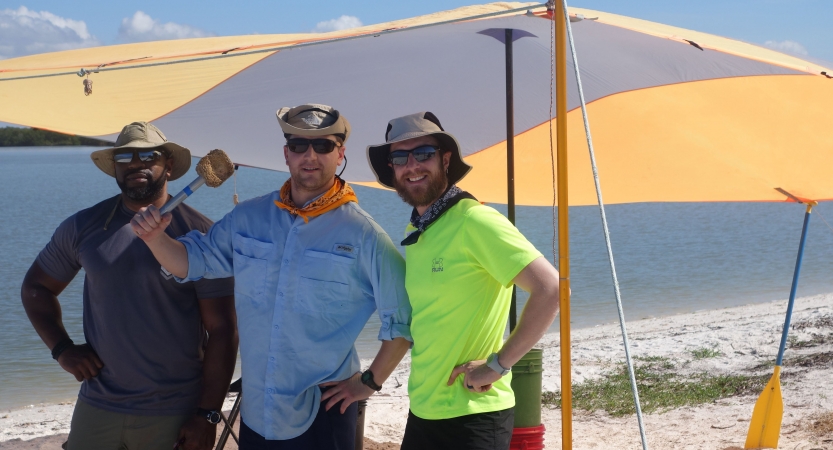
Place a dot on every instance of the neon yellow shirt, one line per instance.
(459, 278)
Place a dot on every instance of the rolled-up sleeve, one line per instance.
(210, 254)
(388, 280)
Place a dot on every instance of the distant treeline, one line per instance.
(33, 137)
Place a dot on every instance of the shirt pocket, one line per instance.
(250, 259)
(330, 257)
(322, 298)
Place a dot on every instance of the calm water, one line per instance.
(671, 257)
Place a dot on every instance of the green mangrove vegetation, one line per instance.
(33, 137)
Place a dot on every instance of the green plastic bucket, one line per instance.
(527, 379)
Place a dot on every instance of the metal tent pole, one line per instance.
(510, 160)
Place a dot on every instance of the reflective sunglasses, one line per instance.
(146, 156)
(421, 153)
(298, 145)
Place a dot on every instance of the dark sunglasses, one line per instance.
(318, 145)
(147, 156)
(421, 153)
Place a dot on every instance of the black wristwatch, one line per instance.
(213, 417)
(367, 380)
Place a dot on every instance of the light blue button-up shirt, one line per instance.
(303, 292)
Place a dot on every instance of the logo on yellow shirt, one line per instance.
(437, 265)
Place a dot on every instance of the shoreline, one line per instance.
(745, 337)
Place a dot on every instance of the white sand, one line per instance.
(746, 336)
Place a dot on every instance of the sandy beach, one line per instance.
(742, 340)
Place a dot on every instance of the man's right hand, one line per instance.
(81, 361)
(148, 224)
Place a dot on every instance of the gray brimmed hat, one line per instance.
(143, 135)
(313, 120)
(409, 127)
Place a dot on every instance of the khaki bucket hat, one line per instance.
(412, 126)
(143, 135)
(313, 119)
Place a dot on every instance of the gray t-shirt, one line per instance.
(145, 327)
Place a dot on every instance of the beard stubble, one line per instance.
(149, 193)
(437, 184)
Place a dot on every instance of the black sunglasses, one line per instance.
(421, 153)
(298, 145)
(147, 156)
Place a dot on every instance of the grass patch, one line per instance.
(661, 388)
(818, 322)
(813, 360)
(807, 361)
(706, 352)
(815, 341)
(820, 425)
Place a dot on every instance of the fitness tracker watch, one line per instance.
(492, 363)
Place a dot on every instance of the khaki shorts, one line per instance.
(96, 429)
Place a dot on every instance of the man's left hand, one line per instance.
(197, 434)
(345, 391)
(478, 376)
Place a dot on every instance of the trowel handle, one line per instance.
(183, 194)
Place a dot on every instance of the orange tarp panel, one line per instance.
(697, 155)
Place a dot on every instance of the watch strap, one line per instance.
(59, 348)
(493, 363)
(209, 415)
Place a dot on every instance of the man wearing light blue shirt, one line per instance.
(310, 268)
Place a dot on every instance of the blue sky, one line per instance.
(801, 27)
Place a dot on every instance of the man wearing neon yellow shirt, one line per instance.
(462, 259)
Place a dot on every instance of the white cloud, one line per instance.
(24, 32)
(141, 27)
(788, 46)
(342, 23)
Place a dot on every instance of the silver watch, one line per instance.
(492, 363)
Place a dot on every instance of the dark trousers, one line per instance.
(484, 431)
(330, 430)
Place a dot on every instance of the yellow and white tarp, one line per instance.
(676, 115)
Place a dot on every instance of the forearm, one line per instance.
(44, 312)
(388, 358)
(171, 254)
(39, 295)
(218, 367)
(540, 311)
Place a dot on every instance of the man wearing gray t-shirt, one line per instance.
(159, 355)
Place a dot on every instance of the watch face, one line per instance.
(213, 417)
(367, 380)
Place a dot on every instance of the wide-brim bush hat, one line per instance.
(313, 119)
(413, 126)
(144, 136)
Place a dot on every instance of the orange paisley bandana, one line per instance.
(339, 194)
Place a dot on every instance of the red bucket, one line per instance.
(531, 438)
